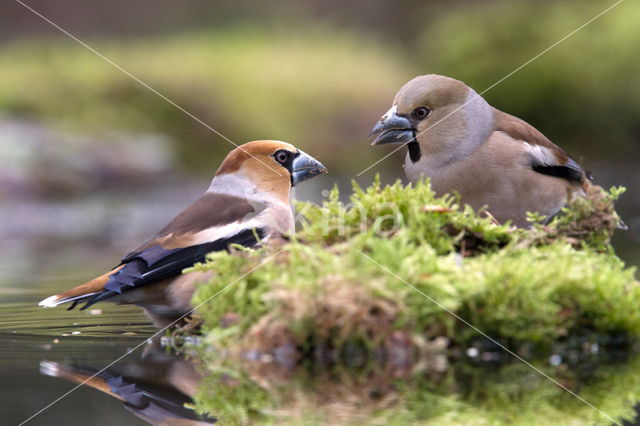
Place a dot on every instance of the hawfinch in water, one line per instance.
(464, 145)
(246, 203)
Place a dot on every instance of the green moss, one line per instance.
(381, 263)
(364, 278)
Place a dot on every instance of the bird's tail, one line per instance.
(82, 293)
(79, 375)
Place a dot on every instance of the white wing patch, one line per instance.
(226, 231)
(541, 155)
(265, 219)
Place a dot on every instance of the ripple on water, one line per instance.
(29, 332)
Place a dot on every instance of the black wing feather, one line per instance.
(570, 171)
(155, 403)
(155, 263)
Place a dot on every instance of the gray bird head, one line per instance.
(423, 102)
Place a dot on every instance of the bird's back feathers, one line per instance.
(546, 157)
(211, 209)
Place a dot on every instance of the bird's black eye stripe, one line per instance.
(282, 156)
(421, 113)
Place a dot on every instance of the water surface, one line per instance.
(30, 335)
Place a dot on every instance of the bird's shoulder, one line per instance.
(520, 130)
(543, 155)
(210, 217)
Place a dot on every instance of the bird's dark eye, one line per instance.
(421, 113)
(281, 156)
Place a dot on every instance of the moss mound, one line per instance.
(398, 266)
(357, 319)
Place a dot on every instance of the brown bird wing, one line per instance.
(208, 211)
(185, 241)
(547, 158)
(175, 247)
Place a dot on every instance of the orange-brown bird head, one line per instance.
(272, 166)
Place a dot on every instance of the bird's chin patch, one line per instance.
(414, 151)
(394, 136)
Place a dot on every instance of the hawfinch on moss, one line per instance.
(246, 203)
(464, 145)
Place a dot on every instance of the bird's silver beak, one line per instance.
(393, 128)
(305, 167)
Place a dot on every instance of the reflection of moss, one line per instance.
(516, 394)
(508, 394)
(303, 395)
(233, 398)
(327, 288)
(247, 83)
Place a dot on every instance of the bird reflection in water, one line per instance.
(156, 387)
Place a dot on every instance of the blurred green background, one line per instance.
(314, 73)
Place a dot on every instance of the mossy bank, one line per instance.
(402, 285)
(399, 261)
